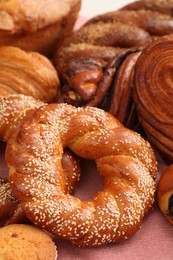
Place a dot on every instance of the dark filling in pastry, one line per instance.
(170, 206)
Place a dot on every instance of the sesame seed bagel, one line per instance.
(124, 159)
(14, 109)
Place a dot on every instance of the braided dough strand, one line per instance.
(124, 159)
(14, 109)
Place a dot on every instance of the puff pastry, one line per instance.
(28, 73)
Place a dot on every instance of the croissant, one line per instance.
(37, 25)
(165, 193)
(28, 73)
(153, 94)
(103, 38)
(14, 109)
(124, 159)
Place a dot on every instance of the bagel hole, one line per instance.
(91, 182)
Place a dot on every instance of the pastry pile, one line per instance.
(66, 95)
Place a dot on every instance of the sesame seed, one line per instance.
(123, 158)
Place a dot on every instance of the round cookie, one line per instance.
(21, 241)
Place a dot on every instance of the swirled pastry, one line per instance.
(28, 73)
(102, 38)
(36, 25)
(98, 83)
(123, 158)
(153, 91)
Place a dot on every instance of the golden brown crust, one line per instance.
(36, 25)
(121, 155)
(153, 94)
(21, 241)
(28, 73)
(165, 193)
(14, 109)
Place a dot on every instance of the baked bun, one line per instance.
(36, 25)
(86, 58)
(21, 241)
(28, 73)
(165, 193)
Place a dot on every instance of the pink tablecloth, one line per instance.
(153, 241)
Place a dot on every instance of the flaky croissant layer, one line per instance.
(28, 73)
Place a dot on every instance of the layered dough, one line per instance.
(28, 73)
(153, 91)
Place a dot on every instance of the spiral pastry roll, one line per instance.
(89, 81)
(14, 109)
(153, 91)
